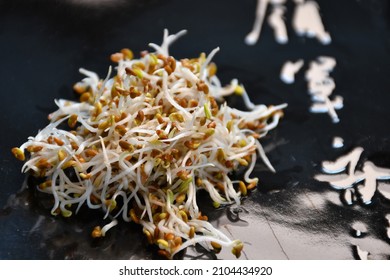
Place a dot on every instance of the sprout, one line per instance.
(145, 141)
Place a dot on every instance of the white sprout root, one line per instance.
(141, 144)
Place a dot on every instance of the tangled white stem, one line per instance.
(141, 144)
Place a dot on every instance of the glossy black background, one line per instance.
(290, 215)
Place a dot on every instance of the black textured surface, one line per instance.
(290, 215)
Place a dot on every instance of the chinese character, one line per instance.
(306, 21)
(342, 178)
(321, 86)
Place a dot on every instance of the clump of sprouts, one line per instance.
(141, 144)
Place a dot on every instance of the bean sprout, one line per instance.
(143, 143)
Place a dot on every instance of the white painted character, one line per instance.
(276, 21)
(318, 76)
(307, 21)
(289, 69)
(329, 106)
(341, 180)
(323, 66)
(327, 63)
(321, 86)
(254, 35)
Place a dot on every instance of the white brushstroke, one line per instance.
(289, 69)
(307, 21)
(276, 21)
(338, 142)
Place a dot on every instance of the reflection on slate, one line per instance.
(290, 215)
